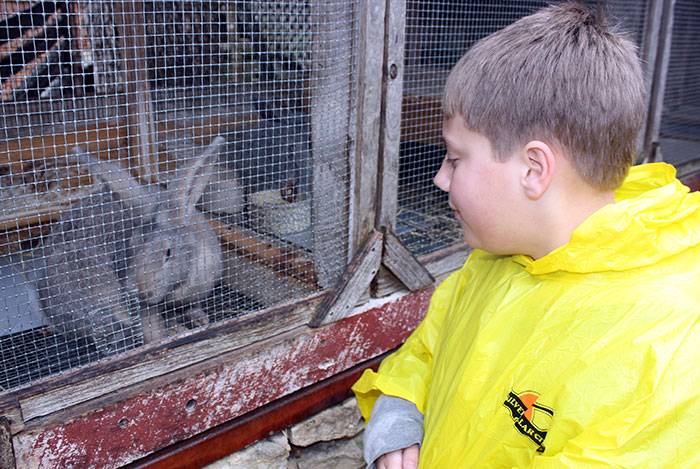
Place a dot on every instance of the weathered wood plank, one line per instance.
(384, 284)
(403, 264)
(234, 435)
(446, 260)
(368, 119)
(439, 264)
(12, 414)
(275, 256)
(331, 88)
(341, 300)
(394, 47)
(689, 169)
(135, 422)
(83, 385)
(7, 454)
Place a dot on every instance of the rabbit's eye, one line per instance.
(167, 253)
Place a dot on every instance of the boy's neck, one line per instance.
(567, 205)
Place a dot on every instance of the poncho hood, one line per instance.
(648, 215)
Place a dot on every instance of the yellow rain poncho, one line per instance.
(587, 357)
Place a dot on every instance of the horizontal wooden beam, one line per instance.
(266, 252)
(110, 140)
(119, 428)
(235, 435)
(107, 140)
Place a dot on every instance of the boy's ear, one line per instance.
(538, 170)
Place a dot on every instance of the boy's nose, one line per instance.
(442, 179)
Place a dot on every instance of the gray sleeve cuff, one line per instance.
(395, 424)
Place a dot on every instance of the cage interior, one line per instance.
(157, 169)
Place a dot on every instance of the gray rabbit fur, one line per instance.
(129, 261)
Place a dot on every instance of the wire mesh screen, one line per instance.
(680, 118)
(163, 166)
(437, 35)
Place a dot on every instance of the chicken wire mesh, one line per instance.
(437, 35)
(163, 166)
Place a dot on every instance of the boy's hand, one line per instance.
(406, 458)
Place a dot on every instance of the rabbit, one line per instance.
(224, 194)
(81, 283)
(128, 261)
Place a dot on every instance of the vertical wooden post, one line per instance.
(331, 87)
(390, 137)
(368, 120)
(396, 257)
(141, 128)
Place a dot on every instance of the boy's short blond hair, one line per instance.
(563, 75)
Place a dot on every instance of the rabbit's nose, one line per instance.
(177, 286)
(144, 295)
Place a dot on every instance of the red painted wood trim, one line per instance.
(152, 419)
(232, 436)
(692, 181)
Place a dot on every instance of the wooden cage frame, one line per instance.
(319, 338)
(213, 391)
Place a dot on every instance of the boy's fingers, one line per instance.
(410, 457)
(406, 458)
(390, 460)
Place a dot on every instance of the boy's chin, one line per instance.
(471, 240)
(477, 242)
(490, 248)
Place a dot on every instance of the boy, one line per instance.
(570, 336)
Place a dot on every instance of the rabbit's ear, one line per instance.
(119, 179)
(190, 188)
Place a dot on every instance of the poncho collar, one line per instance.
(653, 218)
